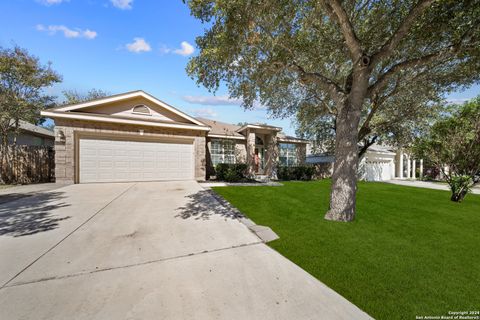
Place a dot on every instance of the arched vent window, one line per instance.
(141, 109)
(258, 141)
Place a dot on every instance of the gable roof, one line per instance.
(284, 138)
(124, 96)
(37, 130)
(231, 131)
(222, 129)
(258, 126)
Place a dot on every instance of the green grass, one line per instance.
(410, 251)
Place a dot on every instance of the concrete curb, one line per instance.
(263, 232)
(208, 185)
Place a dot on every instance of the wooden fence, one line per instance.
(27, 164)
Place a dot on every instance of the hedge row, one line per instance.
(304, 173)
(231, 172)
(238, 172)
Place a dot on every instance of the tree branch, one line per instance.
(387, 49)
(337, 13)
(366, 144)
(333, 88)
(326, 83)
(407, 64)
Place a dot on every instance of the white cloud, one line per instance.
(51, 2)
(67, 32)
(139, 45)
(212, 100)
(122, 4)
(457, 100)
(205, 112)
(218, 101)
(185, 50)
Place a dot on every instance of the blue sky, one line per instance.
(124, 45)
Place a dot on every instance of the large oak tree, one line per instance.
(338, 57)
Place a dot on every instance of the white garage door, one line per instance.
(378, 170)
(103, 160)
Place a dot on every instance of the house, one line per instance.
(32, 135)
(379, 163)
(136, 137)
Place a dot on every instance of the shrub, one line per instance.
(460, 186)
(231, 172)
(304, 173)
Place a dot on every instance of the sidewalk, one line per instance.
(427, 184)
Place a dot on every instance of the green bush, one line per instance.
(304, 173)
(460, 186)
(231, 172)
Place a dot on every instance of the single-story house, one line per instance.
(379, 163)
(32, 135)
(136, 137)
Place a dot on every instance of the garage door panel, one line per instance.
(378, 170)
(103, 160)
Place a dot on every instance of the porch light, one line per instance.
(61, 136)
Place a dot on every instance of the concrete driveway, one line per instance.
(160, 250)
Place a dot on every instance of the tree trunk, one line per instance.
(345, 169)
(344, 177)
(458, 196)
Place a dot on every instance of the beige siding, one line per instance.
(124, 109)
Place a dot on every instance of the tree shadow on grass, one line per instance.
(206, 203)
(29, 215)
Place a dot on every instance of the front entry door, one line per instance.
(259, 159)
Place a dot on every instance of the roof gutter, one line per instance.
(66, 115)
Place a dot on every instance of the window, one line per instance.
(222, 151)
(288, 154)
(142, 109)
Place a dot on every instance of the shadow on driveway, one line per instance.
(31, 215)
(204, 204)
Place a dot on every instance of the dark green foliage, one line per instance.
(455, 142)
(409, 252)
(304, 173)
(460, 186)
(231, 172)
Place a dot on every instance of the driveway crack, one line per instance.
(131, 265)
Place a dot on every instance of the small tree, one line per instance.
(22, 82)
(454, 142)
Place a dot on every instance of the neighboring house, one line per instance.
(136, 137)
(380, 163)
(32, 135)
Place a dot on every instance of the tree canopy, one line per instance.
(344, 59)
(22, 82)
(73, 96)
(454, 142)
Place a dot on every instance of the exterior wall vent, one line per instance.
(141, 109)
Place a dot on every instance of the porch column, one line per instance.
(421, 168)
(414, 165)
(250, 152)
(271, 155)
(408, 167)
(400, 166)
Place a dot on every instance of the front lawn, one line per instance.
(410, 252)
